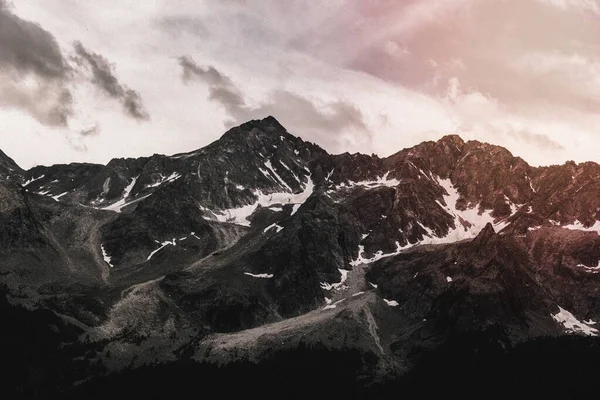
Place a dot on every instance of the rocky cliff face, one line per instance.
(263, 240)
(9, 170)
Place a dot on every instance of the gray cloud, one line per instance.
(37, 72)
(304, 115)
(27, 47)
(77, 144)
(182, 24)
(208, 74)
(325, 124)
(103, 77)
(230, 98)
(91, 131)
(220, 88)
(535, 139)
(102, 71)
(134, 106)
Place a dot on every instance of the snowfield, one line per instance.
(573, 325)
(240, 215)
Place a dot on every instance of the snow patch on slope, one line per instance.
(572, 324)
(123, 201)
(276, 175)
(33, 180)
(334, 305)
(171, 178)
(379, 182)
(578, 226)
(163, 245)
(337, 286)
(240, 215)
(531, 185)
(468, 223)
(391, 303)
(295, 208)
(590, 270)
(377, 256)
(268, 228)
(107, 258)
(262, 276)
(292, 172)
(59, 196)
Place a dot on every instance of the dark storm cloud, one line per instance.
(103, 77)
(295, 111)
(27, 47)
(29, 52)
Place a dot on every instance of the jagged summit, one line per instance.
(268, 126)
(261, 155)
(272, 121)
(259, 135)
(454, 139)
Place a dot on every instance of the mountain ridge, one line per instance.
(454, 137)
(263, 241)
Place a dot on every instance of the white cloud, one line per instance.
(580, 5)
(578, 73)
(446, 73)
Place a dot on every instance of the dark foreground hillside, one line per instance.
(470, 366)
(38, 363)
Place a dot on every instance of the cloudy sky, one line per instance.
(90, 81)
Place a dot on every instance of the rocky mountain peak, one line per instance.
(267, 129)
(273, 122)
(185, 251)
(450, 142)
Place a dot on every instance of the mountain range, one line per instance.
(262, 244)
